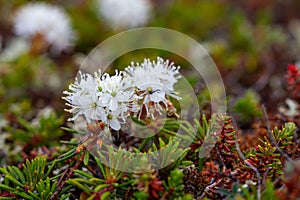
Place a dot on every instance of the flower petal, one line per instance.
(115, 124)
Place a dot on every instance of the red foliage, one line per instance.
(293, 79)
(151, 185)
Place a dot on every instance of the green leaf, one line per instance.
(24, 195)
(73, 131)
(33, 195)
(92, 197)
(100, 166)
(79, 185)
(69, 143)
(105, 195)
(65, 190)
(141, 195)
(7, 198)
(12, 172)
(86, 158)
(48, 187)
(97, 180)
(53, 188)
(3, 170)
(65, 156)
(269, 192)
(64, 196)
(100, 187)
(50, 168)
(83, 173)
(15, 181)
(85, 181)
(40, 187)
(6, 188)
(19, 173)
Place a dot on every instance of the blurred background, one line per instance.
(42, 44)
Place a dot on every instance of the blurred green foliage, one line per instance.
(247, 107)
(43, 131)
(30, 183)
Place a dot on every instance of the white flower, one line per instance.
(168, 73)
(113, 119)
(154, 81)
(99, 98)
(115, 91)
(144, 89)
(114, 94)
(84, 100)
(125, 13)
(49, 21)
(15, 48)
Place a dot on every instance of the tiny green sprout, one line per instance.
(100, 89)
(247, 108)
(145, 177)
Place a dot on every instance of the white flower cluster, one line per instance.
(141, 89)
(125, 13)
(49, 21)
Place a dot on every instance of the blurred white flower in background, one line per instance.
(292, 109)
(46, 21)
(4, 148)
(15, 48)
(125, 13)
